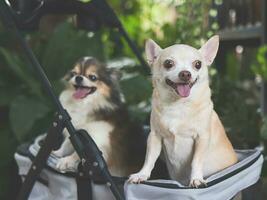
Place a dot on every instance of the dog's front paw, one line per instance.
(66, 163)
(138, 178)
(197, 182)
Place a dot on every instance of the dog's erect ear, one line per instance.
(209, 49)
(152, 51)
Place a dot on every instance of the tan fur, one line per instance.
(91, 69)
(77, 69)
(104, 89)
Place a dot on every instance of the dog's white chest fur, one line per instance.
(100, 132)
(178, 139)
(178, 156)
(176, 118)
(78, 110)
(80, 113)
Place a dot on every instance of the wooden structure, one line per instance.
(242, 22)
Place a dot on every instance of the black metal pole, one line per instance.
(39, 162)
(134, 49)
(94, 155)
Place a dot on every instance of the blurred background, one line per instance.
(238, 76)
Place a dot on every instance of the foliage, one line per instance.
(260, 68)
(236, 99)
(264, 128)
(237, 103)
(167, 22)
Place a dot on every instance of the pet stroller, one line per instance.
(92, 179)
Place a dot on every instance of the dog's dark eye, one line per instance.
(92, 77)
(168, 64)
(73, 74)
(197, 64)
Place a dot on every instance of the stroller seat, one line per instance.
(223, 185)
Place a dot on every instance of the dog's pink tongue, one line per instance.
(183, 90)
(80, 93)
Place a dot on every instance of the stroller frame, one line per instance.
(84, 145)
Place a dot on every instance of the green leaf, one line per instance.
(264, 129)
(4, 182)
(7, 147)
(136, 89)
(24, 112)
(20, 70)
(7, 95)
(66, 46)
(260, 68)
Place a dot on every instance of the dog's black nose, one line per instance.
(78, 79)
(185, 75)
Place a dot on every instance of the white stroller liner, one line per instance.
(223, 185)
(53, 184)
